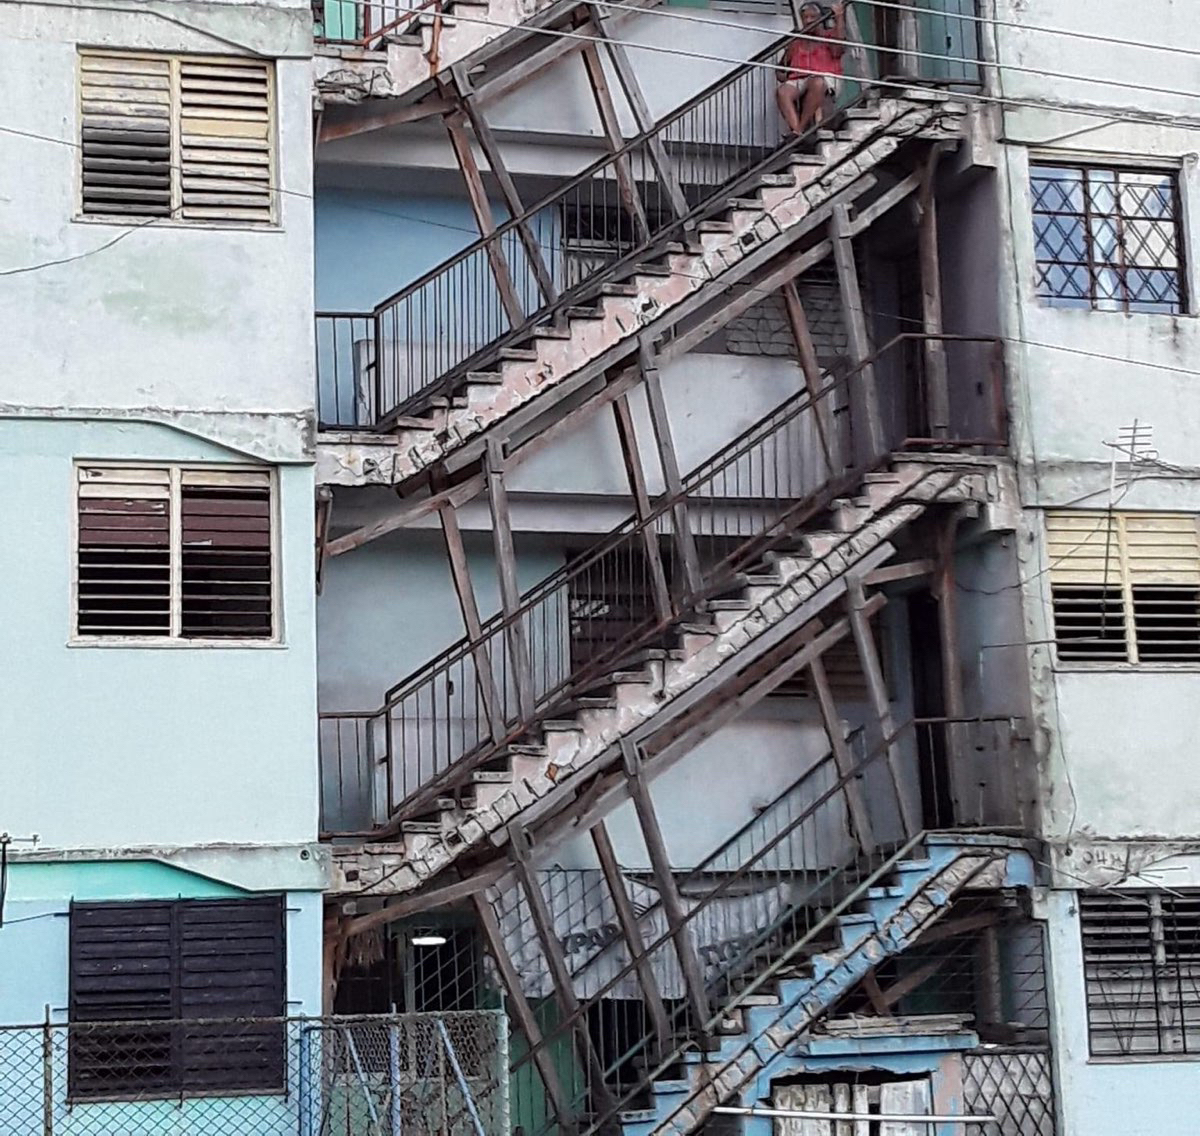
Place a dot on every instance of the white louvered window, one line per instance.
(1125, 586)
(187, 137)
(171, 553)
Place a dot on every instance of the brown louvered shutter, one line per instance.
(225, 143)
(125, 105)
(226, 555)
(124, 552)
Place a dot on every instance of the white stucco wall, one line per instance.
(167, 318)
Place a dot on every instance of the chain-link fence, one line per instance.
(420, 1074)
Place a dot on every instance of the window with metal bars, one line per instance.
(1125, 587)
(140, 972)
(1108, 238)
(1141, 966)
(170, 553)
(188, 137)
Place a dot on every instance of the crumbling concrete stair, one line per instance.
(583, 338)
(801, 581)
(886, 922)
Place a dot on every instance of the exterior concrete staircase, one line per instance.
(676, 279)
(797, 581)
(763, 1026)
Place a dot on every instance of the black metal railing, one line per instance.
(580, 623)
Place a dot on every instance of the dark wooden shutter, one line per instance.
(124, 553)
(226, 525)
(125, 135)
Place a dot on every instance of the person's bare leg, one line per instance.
(787, 96)
(812, 103)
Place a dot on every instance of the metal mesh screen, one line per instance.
(1013, 1085)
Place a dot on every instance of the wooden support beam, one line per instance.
(627, 77)
(864, 395)
(481, 208)
(660, 422)
(429, 899)
(864, 218)
(375, 115)
(907, 38)
(664, 879)
(872, 669)
(506, 568)
(945, 593)
(814, 383)
(631, 197)
(460, 574)
(634, 470)
(962, 925)
(856, 804)
(324, 518)
(556, 963)
(519, 1008)
(508, 189)
(892, 573)
(937, 381)
(627, 919)
(879, 1004)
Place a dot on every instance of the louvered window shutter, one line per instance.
(125, 107)
(1163, 566)
(225, 140)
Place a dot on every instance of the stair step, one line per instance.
(577, 313)
(890, 892)
(728, 605)
(715, 227)
(491, 776)
(491, 378)
(407, 422)
(631, 676)
(527, 749)
(560, 725)
(549, 331)
(618, 289)
(519, 354)
(421, 827)
(651, 270)
(921, 866)
(670, 1088)
(882, 477)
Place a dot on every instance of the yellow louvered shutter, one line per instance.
(125, 116)
(225, 139)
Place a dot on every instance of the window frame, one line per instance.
(1121, 586)
(173, 641)
(1085, 164)
(173, 219)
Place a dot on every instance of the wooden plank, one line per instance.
(631, 453)
(518, 1006)
(872, 670)
(376, 116)
(627, 919)
(427, 900)
(508, 190)
(822, 401)
(668, 460)
(937, 383)
(907, 39)
(864, 218)
(863, 392)
(460, 574)
(482, 209)
(631, 198)
(506, 568)
(660, 863)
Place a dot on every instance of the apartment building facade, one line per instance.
(743, 566)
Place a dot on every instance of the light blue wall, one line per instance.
(108, 746)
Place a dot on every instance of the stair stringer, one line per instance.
(805, 588)
(747, 237)
(746, 1063)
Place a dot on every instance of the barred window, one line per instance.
(1125, 587)
(140, 971)
(1108, 238)
(188, 137)
(1141, 963)
(173, 553)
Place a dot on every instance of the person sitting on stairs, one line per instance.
(810, 70)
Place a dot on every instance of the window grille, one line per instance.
(1125, 587)
(1141, 963)
(174, 553)
(1107, 238)
(186, 137)
(207, 961)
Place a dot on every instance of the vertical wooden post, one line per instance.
(822, 400)
(945, 593)
(568, 1003)
(864, 394)
(512, 199)
(660, 422)
(660, 864)
(641, 114)
(907, 39)
(936, 374)
(460, 574)
(627, 919)
(877, 692)
(634, 470)
(518, 1006)
(483, 218)
(844, 760)
(631, 198)
(506, 569)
